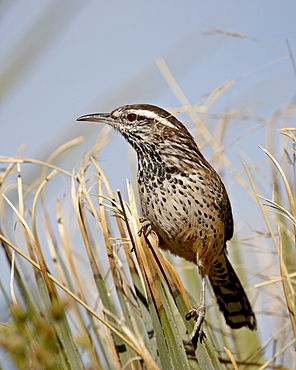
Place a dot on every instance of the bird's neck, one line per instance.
(160, 158)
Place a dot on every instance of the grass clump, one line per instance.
(85, 291)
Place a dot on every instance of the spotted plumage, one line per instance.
(185, 202)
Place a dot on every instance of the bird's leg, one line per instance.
(145, 227)
(198, 314)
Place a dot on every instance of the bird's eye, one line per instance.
(131, 117)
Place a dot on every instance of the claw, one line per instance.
(198, 315)
(145, 227)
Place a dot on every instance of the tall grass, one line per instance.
(85, 291)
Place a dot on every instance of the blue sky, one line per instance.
(64, 59)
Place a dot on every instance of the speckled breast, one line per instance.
(183, 211)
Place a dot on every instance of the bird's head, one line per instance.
(143, 126)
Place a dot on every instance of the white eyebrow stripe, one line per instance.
(153, 115)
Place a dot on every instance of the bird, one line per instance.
(185, 202)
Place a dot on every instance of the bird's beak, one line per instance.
(98, 117)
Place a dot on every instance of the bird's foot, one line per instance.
(198, 315)
(145, 227)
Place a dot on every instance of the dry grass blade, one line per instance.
(279, 209)
(286, 183)
(285, 278)
(12, 291)
(243, 36)
(67, 250)
(15, 160)
(230, 355)
(286, 132)
(36, 243)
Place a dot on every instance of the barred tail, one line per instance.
(230, 294)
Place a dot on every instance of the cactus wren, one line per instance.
(185, 202)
